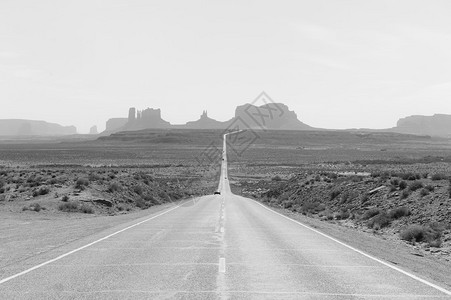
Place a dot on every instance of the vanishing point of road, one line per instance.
(218, 247)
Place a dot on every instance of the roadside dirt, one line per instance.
(26, 235)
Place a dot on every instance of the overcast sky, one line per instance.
(337, 64)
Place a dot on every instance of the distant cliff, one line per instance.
(275, 116)
(114, 124)
(269, 116)
(144, 119)
(18, 127)
(436, 125)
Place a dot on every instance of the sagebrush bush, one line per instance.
(402, 185)
(41, 191)
(399, 212)
(394, 182)
(416, 185)
(34, 207)
(68, 207)
(439, 176)
(334, 194)
(405, 194)
(430, 233)
(114, 187)
(81, 183)
(409, 176)
(430, 188)
(379, 221)
(413, 233)
(276, 178)
(371, 213)
(86, 209)
(424, 192)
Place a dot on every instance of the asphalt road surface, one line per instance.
(218, 247)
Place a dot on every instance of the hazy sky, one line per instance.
(337, 64)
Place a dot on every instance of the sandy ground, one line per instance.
(26, 235)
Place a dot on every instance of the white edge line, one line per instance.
(360, 252)
(82, 247)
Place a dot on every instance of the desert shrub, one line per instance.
(404, 194)
(332, 175)
(413, 233)
(429, 187)
(345, 197)
(2, 183)
(94, 176)
(114, 187)
(371, 213)
(65, 198)
(141, 203)
(375, 174)
(276, 178)
(53, 181)
(34, 207)
(342, 214)
(425, 175)
(411, 176)
(394, 182)
(81, 183)
(287, 203)
(41, 191)
(393, 188)
(438, 176)
(430, 233)
(68, 207)
(435, 243)
(311, 207)
(402, 185)
(416, 185)
(424, 192)
(334, 194)
(86, 209)
(399, 212)
(379, 221)
(138, 189)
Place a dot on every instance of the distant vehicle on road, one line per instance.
(217, 193)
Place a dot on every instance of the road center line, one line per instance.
(443, 290)
(83, 247)
(222, 265)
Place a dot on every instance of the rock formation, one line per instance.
(114, 124)
(145, 119)
(93, 130)
(436, 125)
(18, 127)
(269, 116)
(204, 123)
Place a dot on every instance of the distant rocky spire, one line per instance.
(131, 114)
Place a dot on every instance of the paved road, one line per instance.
(222, 247)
